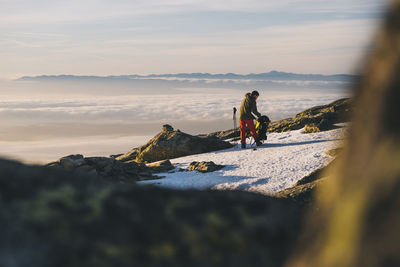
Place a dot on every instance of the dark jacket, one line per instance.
(248, 107)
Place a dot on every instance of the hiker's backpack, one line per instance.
(262, 127)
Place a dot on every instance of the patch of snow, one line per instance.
(279, 163)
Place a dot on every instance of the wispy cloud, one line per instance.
(15, 11)
(103, 37)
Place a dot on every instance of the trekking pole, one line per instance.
(234, 124)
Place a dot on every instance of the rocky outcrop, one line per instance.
(204, 166)
(103, 167)
(58, 217)
(170, 144)
(321, 117)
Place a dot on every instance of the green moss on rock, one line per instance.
(204, 166)
(311, 128)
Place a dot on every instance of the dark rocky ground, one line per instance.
(105, 168)
(56, 217)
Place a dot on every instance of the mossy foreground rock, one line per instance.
(204, 166)
(173, 144)
(53, 217)
(358, 220)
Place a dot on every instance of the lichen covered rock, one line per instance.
(311, 128)
(204, 166)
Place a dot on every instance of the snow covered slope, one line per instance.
(279, 163)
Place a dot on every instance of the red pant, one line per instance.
(250, 124)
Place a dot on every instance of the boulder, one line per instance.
(170, 144)
(105, 168)
(204, 166)
(161, 166)
(71, 161)
(167, 128)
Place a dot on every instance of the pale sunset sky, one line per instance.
(98, 37)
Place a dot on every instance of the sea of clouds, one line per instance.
(40, 125)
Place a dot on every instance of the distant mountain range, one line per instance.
(272, 75)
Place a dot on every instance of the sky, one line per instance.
(98, 37)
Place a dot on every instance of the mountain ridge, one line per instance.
(272, 75)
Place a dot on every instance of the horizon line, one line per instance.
(178, 73)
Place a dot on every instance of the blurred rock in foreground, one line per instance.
(358, 222)
(54, 217)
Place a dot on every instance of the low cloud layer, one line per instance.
(155, 108)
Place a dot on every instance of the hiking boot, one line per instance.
(243, 146)
(258, 143)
